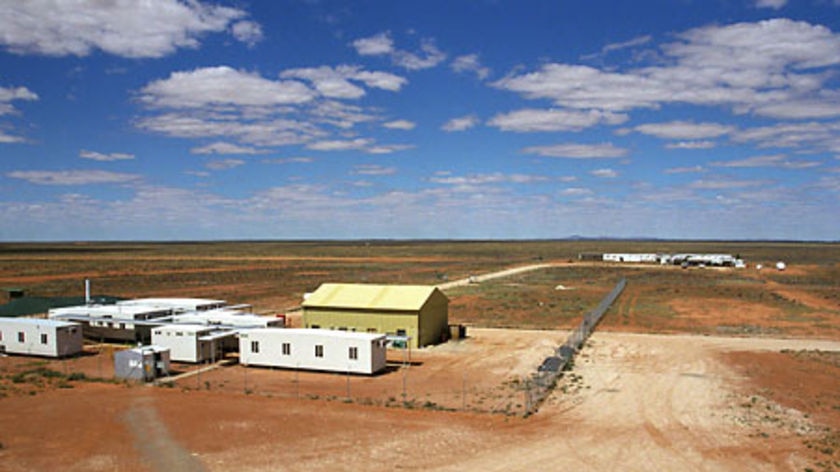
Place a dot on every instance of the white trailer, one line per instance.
(177, 305)
(191, 343)
(113, 322)
(38, 337)
(313, 349)
(229, 319)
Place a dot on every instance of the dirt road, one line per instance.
(632, 402)
(495, 275)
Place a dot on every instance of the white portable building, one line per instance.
(38, 337)
(632, 257)
(177, 305)
(229, 318)
(191, 343)
(314, 349)
(113, 322)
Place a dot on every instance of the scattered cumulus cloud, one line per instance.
(102, 157)
(578, 151)
(774, 4)
(400, 124)
(381, 44)
(685, 170)
(222, 85)
(72, 177)
(772, 160)
(289, 160)
(749, 67)
(127, 28)
(684, 130)
(534, 120)
(605, 173)
(373, 169)
(224, 164)
(7, 96)
(691, 145)
(221, 147)
(336, 82)
(248, 32)
(341, 145)
(374, 45)
(470, 63)
(461, 123)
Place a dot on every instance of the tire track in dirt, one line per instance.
(159, 451)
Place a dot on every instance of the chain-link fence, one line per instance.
(541, 383)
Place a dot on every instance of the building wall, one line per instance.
(265, 347)
(40, 338)
(394, 322)
(433, 319)
(183, 348)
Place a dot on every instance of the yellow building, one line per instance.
(418, 311)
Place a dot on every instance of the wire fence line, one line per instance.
(542, 383)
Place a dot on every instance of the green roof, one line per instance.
(370, 297)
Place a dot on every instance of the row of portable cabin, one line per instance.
(722, 260)
(313, 349)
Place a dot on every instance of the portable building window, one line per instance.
(1, 335)
(255, 346)
(43, 338)
(354, 353)
(319, 350)
(21, 337)
(287, 349)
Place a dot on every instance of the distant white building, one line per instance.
(38, 337)
(192, 343)
(314, 349)
(632, 257)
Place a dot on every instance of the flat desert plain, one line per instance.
(697, 369)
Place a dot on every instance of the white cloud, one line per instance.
(388, 148)
(224, 164)
(430, 57)
(374, 45)
(289, 160)
(341, 145)
(812, 136)
(578, 151)
(605, 173)
(684, 130)
(382, 44)
(484, 179)
(462, 123)
(576, 192)
(533, 120)
(222, 85)
(470, 63)
(400, 124)
(221, 147)
(638, 41)
(722, 184)
(772, 160)
(248, 32)
(751, 67)
(128, 28)
(8, 95)
(373, 169)
(98, 156)
(72, 177)
(691, 145)
(774, 4)
(336, 82)
(685, 170)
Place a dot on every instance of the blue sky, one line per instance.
(181, 120)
